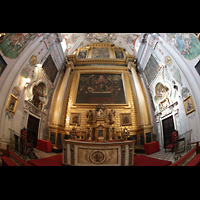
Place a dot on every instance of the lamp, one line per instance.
(39, 65)
(26, 82)
(2, 34)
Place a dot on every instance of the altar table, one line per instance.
(44, 145)
(82, 153)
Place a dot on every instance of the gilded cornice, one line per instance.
(112, 61)
(101, 44)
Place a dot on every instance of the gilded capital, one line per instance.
(132, 65)
(69, 65)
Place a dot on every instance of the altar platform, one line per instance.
(91, 153)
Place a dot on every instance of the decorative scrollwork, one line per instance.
(97, 157)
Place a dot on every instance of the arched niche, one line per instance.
(39, 92)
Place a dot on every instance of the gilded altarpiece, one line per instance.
(127, 107)
(108, 81)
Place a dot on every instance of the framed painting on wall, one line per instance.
(189, 105)
(82, 54)
(197, 67)
(100, 53)
(50, 68)
(12, 103)
(151, 69)
(3, 64)
(99, 88)
(119, 54)
(125, 119)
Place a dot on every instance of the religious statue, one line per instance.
(89, 116)
(111, 116)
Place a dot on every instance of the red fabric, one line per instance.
(24, 134)
(44, 145)
(174, 134)
(50, 161)
(151, 147)
(170, 146)
(194, 161)
(15, 157)
(142, 160)
(28, 145)
(184, 157)
(8, 161)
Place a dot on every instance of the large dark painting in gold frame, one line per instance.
(50, 68)
(100, 88)
(151, 69)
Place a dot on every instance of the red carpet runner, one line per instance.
(142, 160)
(139, 160)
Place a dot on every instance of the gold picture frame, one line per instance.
(75, 119)
(12, 103)
(87, 91)
(189, 105)
(125, 119)
(82, 53)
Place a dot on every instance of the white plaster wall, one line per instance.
(11, 78)
(190, 78)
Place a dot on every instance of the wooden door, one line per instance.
(32, 129)
(168, 128)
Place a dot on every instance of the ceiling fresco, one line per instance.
(72, 41)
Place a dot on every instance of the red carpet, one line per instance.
(50, 161)
(139, 160)
(142, 160)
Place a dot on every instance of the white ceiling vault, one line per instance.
(72, 41)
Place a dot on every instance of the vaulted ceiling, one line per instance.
(72, 41)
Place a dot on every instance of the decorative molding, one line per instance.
(170, 107)
(77, 61)
(29, 107)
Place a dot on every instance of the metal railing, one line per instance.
(20, 145)
(182, 144)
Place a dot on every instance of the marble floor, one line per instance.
(169, 155)
(42, 154)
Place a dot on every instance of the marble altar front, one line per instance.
(82, 153)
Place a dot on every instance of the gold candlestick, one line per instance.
(110, 134)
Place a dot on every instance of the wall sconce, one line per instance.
(2, 34)
(39, 65)
(26, 82)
